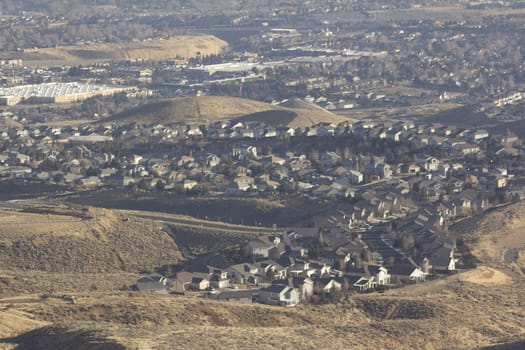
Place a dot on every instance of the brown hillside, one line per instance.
(497, 237)
(96, 241)
(206, 109)
(157, 49)
(476, 309)
(457, 314)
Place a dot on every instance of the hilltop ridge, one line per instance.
(206, 109)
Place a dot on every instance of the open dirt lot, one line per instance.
(158, 49)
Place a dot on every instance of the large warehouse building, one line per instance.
(57, 92)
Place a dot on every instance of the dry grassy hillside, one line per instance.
(497, 237)
(158, 49)
(479, 309)
(97, 241)
(206, 109)
(459, 314)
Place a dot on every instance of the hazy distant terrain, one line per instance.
(407, 156)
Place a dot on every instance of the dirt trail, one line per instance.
(484, 275)
(14, 322)
(204, 225)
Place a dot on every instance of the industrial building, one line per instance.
(225, 70)
(57, 92)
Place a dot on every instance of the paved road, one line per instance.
(382, 245)
(204, 224)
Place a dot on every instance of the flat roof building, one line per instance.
(57, 92)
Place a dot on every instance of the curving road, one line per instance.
(375, 239)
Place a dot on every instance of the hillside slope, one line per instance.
(457, 315)
(476, 309)
(157, 49)
(498, 236)
(97, 241)
(206, 109)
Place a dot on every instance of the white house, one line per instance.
(356, 177)
(382, 277)
(258, 247)
(153, 283)
(278, 294)
(418, 275)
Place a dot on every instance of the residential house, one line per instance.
(299, 163)
(212, 160)
(244, 273)
(199, 283)
(447, 210)
(418, 275)
(320, 270)
(329, 159)
(266, 184)
(243, 151)
(304, 285)
(108, 172)
(479, 135)
(356, 177)
(189, 185)
(429, 188)
(262, 247)
(406, 273)
(384, 170)
(470, 201)
(364, 284)
(465, 148)
(412, 169)
(430, 164)
(22, 158)
(443, 259)
(380, 273)
(90, 182)
(342, 255)
(300, 269)
(275, 160)
(279, 294)
(394, 135)
(272, 268)
(244, 182)
(153, 283)
(239, 296)
(219, 279)
(327, 285)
